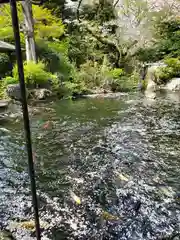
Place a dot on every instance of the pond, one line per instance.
(106, 169)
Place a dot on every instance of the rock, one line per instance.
(4, 104)
(177, 196)
(173, 85)
(151, 76)
(41, 94)
(14, 92)
(151, 86)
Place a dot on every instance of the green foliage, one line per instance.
(48, 56)
(65, 67)
(172, 69)
(90, 74)
(55, 58)
(93, 75)
(6, 31)
(83, 47)
(134, 79)
(173, 63)
(3, 85)
(151, 54)
(102, 11)
(167, 28)
(74, 60)
(72, 86)
(5, 65)
(9, 80)
(34, 73)
(83, 79)
(61, 46)
(2, 90)
(116, 73)
(163, 74)
(166, 41)
(125, 83)
(74, 89)
(47, 26)
(57, 6)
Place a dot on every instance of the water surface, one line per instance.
(119, 156)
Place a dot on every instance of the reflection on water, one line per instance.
(118, 157)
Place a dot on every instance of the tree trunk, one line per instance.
(29, 31)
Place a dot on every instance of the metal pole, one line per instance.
(25, 114)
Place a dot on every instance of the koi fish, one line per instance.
(75, 197)
(46, 125)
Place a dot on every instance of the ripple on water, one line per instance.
(119, 157)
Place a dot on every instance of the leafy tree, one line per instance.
(46, 25)
(166, 39)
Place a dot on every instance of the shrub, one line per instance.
(54, 55)
(34, 73)
(172, 69)
(120, 81)
(125, 83)
(93, 75)
(60, 46)
(48, 56)
(76, 84)
(134, 80)
(2, 90)
(9, 80)
(173, 63)
(150, 54)
(116, 73)
(163, 74)
(89, 74)
(75, 89)
(4, 83)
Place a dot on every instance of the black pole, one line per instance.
(25, 114)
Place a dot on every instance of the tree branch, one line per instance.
(115, 3)
(78, 7)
